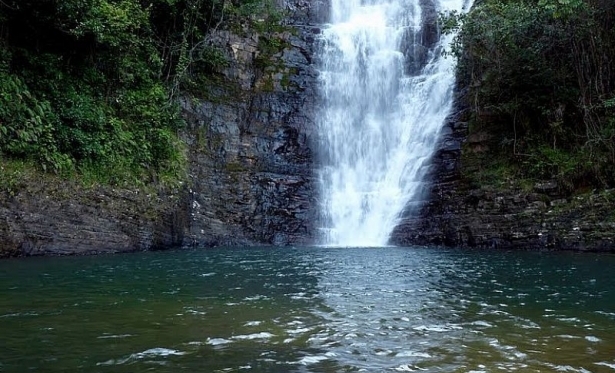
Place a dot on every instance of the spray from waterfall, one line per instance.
(387, 90)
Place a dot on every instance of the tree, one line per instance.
(540, 73)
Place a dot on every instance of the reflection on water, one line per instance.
(309, 310)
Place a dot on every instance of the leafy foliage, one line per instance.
(93, 83)
(539, 75)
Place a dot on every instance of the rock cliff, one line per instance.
(249, 178)
(461, 211)
(250, 138)
(51, 216)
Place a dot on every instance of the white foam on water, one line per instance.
(482, 323)
(567, 368)
(261, 335)
(299, 331)
(150, 353)
(567, 336)
(114, 336)
(308, 360)
(413, 354)
(159, 351)
(408, 368)
(609, 365)
(217, 341)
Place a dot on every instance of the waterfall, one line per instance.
(386, 90)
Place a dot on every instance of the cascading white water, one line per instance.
(380, 121)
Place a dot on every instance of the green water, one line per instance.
(309, 310)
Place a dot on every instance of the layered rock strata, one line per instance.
(249, 179)
(459, 212)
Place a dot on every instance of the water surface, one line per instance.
(309, 310)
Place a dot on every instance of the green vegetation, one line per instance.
(90, 87)
(541, 82)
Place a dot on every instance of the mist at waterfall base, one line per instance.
(386, 93)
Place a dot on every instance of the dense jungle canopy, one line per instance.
(92, 84)
(538, 79)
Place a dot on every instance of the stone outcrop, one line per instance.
(502, 215)
(417, 46)
(50, 216)
(250, 140)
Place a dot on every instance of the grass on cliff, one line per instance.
(18, 176)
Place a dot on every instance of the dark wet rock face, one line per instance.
(250, 139)
(417, 46)
(457, 213)
(55, 217)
